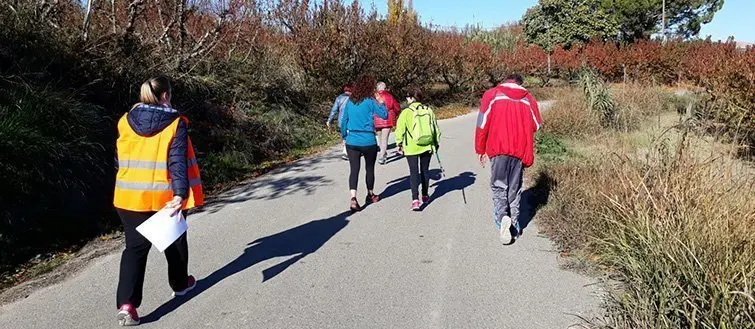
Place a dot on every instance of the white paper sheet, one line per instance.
(162, 229)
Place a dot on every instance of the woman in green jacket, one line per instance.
(418, 136)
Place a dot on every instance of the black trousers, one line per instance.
(418, 173)
(355, 154)
(134, 260)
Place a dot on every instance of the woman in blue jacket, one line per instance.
(358, 130)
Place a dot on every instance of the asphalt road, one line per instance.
(282, 252)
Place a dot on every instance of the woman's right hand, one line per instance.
(176, 204)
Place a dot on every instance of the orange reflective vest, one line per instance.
(143, 180)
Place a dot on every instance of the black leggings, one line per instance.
(418, 168)
(134, 260)
(355, 154)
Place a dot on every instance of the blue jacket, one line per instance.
(338, 107)
(148, 120)
(358, 126)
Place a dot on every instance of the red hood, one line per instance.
(393, 110)
(513, 90)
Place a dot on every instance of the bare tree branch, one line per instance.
(182, 17)
(165, 36)
(13, 9)
(87, 21)
(113, 14)
(202, 47)
(45, 9)
(133, 10)
(162, 20)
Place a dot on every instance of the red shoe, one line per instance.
(191, 284)
(127, 316)
(416, 205)
(425, 199)
(371, 198)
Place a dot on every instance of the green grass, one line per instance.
(549, 148)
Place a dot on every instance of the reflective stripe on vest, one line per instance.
(143, 182)
(142, 186)
(142, 164)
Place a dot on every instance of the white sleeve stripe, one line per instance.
(535, 119)
(501, 97)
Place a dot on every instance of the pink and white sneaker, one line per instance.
(190, 287)
(127, 316)
(416, 205)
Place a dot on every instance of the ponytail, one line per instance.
(152, 90)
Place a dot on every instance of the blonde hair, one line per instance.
(153, 89)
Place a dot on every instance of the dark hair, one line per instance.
(347, 88)
(364, 88)
(416, 93)
(516, 77)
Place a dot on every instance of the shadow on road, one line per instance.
(399, 185)
(442, 186)
(273, 186)
(298, 242)
(457, 183)
(535, 198)
(395, 157)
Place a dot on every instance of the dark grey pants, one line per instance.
(506, 182)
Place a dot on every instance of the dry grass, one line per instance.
(677, 231)
(453, 110)
(668, 214)
(635, 103)
(545, 93)
(569, 118)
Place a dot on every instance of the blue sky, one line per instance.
(733, 19)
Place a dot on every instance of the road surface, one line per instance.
(282, 252)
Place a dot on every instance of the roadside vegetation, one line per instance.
(644, 196)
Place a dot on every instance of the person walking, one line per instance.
(418, 136)
(358, 130)
(157, 169)
(505, 133)
(338, 106)
(383, 127)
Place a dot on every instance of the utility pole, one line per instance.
(663, 22)
(550, 46)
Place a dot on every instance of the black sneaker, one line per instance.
(371, 198)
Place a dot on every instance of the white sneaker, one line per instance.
(506, 237)
(191, 284)
(127, 316)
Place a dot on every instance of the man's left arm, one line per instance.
(535, 112)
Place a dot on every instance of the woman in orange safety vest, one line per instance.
(157, 169)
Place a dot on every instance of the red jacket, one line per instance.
(393, 111)
(507, 122)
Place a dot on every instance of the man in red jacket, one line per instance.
(383, 127)
(506, 126)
